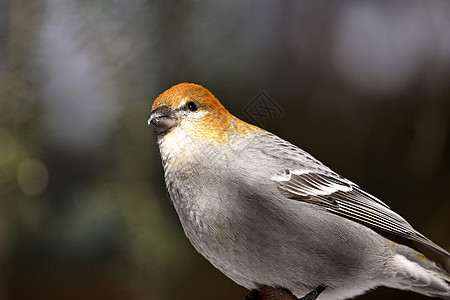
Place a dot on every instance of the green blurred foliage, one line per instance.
(84, 213)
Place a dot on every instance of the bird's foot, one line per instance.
(270, 293)
(278, 293)
(314, 294)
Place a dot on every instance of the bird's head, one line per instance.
(197, 112)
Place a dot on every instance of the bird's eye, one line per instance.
(192, 106)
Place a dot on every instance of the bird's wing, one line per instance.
(344, 198)
(304, 178)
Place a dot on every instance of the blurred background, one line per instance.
(84, 214)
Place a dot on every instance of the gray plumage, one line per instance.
(265, 212)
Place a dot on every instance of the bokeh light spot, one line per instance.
(32, 177)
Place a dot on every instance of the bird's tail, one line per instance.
(417, 273)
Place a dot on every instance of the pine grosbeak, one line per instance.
(266, 213)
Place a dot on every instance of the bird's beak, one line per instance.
(162, 119)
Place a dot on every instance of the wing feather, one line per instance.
(344, 198)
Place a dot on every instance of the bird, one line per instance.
(268, 214)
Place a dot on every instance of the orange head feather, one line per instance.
(217, 125)
(179, 94)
